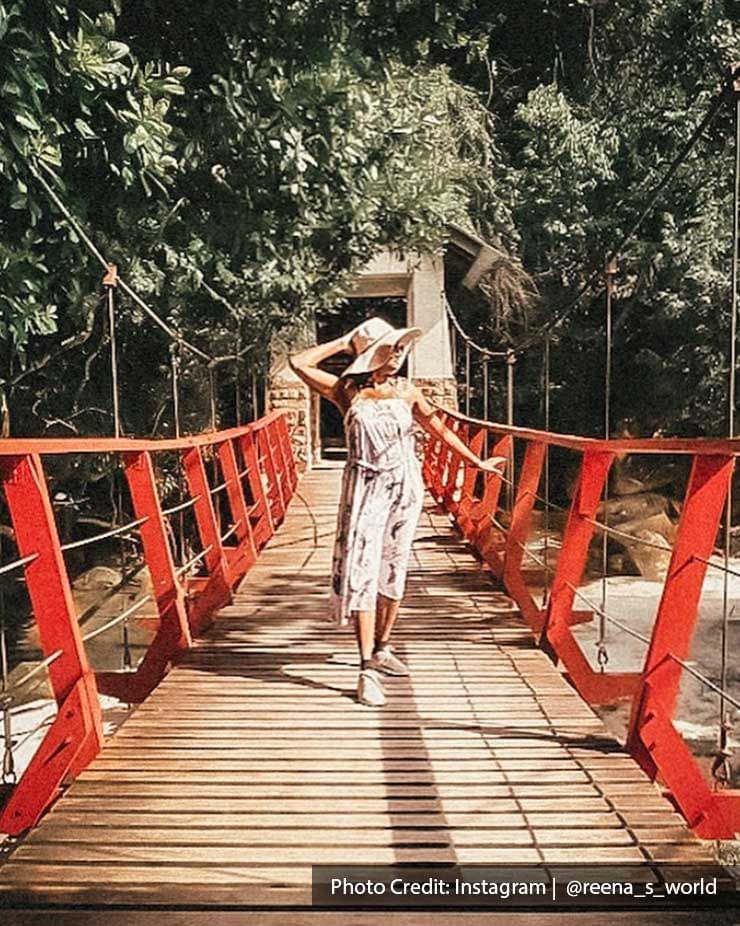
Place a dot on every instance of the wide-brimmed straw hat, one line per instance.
(373, 342)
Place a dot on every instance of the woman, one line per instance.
(382, 488)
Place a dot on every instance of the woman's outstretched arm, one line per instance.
(425, 414)
(305, 364)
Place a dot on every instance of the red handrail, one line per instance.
(257, 496)
(652, 739)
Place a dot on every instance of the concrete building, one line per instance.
(408, 289)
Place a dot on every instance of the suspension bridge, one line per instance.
(246, 760)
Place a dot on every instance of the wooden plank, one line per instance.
(349, 804)
(214, 856)
(136, 877)
(309, 777)
(265, 917)
(233, 791)
(74, 826)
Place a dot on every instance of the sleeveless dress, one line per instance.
(381, 498)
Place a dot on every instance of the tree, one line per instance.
(238, 174)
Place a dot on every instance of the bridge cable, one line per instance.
(510, 466)
(467, 378)
(214, 427)
(721, 767)
(237, 374)
(87, 241)
(610, 270)
(110, 281)
(630, 631)
(564, 311)
(486, 397)
(6, 700)
(546, 384)
(464, 335)
(727, 90)
(175, 361)
(171, 332)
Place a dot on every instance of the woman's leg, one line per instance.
(398, 536)
(365, 624)
(385, 617)
(369, 688)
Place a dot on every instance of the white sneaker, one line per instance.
(384, 661)
(370, 689)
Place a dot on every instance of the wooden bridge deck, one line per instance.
(251, 761)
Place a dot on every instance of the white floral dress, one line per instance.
(381, 498)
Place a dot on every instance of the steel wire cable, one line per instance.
(630, 631)
(721, 769)
(17, 563)
(90, 245)
(182, 506)
(44, 664)
(139, 603)
(114, 532)
(720, 689)
(563, 313)
(195, 559)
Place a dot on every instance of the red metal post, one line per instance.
(244, 554)
(652, 739)
(487, 538)
(215, 591)
(76, 734)
(444, 455)
(432, 458)
(467, 498)
(174, 634)
(516, 537)
(259, 512)
(280, 457)
(288, 456)
(674, 625)
(455, 474)
(269, 467)
(594, 687)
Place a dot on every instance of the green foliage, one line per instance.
(592, 102)
(76, 105)
(239, 185)
(240, 161)
(563, 157)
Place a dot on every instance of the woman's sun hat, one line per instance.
(373, 342)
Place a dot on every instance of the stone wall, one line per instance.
(293, 395)
(286, 391)
(439, 389)
(417, 277)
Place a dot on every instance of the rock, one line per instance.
(617, 511)
(630, 556)
(97, 577)
(633, 476)
(106, 577)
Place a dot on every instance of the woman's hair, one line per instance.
(359, 380)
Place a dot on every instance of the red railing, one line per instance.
(652, 738)
(257, 494)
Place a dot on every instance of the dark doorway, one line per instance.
(329, 326)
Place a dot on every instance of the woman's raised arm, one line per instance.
(305, 364)
(425, 413)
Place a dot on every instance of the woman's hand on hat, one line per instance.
(493, 465)
(346, 343)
